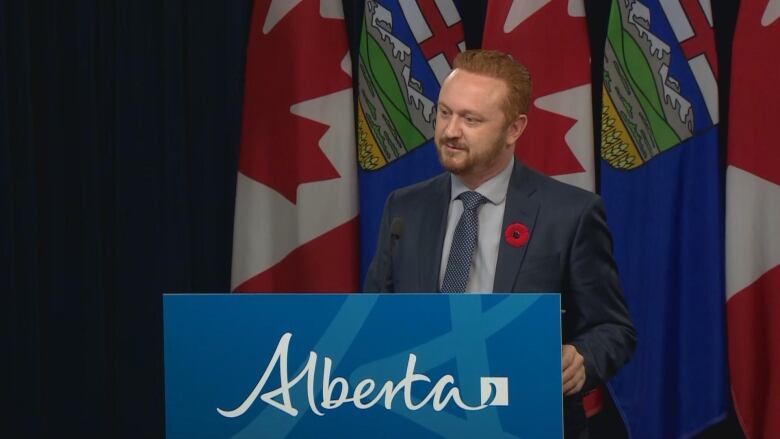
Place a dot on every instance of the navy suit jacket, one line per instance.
(569, 251)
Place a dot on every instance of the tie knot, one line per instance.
(471, 200)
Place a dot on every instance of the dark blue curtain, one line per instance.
(119, 130)
(119, 133)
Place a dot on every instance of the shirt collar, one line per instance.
(494, 189)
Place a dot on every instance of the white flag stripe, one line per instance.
(575, 103)
(520, 11)
(346, 64)
(752, 225)
(276, 11)
(332, 9)
(676, 15)
(771, 13)
(705, 77)
(441, 67)
(448, 12)
(576, 8)
(416, 21)
(261, 239)
(582, 180)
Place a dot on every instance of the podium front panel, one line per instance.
(362, 365)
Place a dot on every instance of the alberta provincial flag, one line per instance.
(296, 195)
(406, 51)
(662, 179)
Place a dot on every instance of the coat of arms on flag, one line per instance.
(651, 88)
(399, 82)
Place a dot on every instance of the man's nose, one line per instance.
(452, 127)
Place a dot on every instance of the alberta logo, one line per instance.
(337, 391)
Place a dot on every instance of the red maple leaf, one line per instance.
(554, 47)
(543, 146)
(299, 59)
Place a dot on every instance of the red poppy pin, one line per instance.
(516, 235)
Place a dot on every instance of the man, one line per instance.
(492, 224)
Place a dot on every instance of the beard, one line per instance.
(466, 160)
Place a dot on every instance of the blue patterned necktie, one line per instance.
(464, 241)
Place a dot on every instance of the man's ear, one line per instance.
(516, 128)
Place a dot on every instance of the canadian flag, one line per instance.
(296, 196)
(753, 220)
(550, 37)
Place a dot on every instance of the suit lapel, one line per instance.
(521, 207)
(434, 227)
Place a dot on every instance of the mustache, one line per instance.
(452, 140)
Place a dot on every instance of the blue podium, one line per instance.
(362, 366)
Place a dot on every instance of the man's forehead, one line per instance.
(463, 81)
(461, 72)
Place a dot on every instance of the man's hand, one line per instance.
(573, 370)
